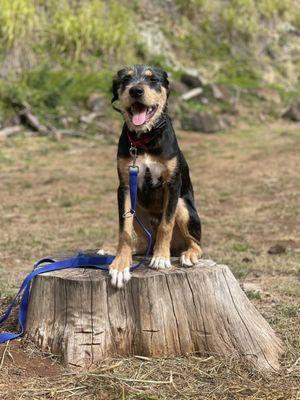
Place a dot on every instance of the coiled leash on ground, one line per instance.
(81, 260)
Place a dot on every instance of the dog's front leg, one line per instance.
(119, 268)
(161, 251)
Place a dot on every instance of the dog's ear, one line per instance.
(163, 76)
(166, 82)
(116, 84)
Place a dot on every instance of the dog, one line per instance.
(165, 198)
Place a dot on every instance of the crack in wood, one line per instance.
(92, 321)
(108, 316)
(202, 318)
(244, 323)
(173, 308)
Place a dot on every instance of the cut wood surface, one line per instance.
(78, 315)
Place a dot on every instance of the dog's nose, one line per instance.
(136, 91)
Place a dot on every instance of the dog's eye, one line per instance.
(126, 80)
(153, 79)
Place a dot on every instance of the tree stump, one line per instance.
(78, 315)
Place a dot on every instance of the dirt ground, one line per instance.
(61, 195)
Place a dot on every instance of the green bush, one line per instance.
(48, 90)
(17, 21)
(69, 28)
(95, 26)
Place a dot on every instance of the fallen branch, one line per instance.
(10, 130)
(192, 93)
(3, 354)
(87, 119)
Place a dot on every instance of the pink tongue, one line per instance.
(139, 117)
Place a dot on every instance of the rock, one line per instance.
(268, 94)
(293, 113)
(246, 259)
(202, 122)
(191, 94)
(191, 81)
(204, 100)
(220, 92)
(88, 119)
(277, 249)
(173, 108)
(96, 102)
(179, 87)
(251, 286)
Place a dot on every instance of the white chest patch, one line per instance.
(156, 169)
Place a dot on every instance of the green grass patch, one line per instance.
(253, 294)
(69, 29)
(240, 247)
(53, 91)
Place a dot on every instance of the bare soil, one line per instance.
(61, 195)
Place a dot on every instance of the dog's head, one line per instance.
(142, 91)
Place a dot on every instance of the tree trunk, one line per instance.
(78, 315)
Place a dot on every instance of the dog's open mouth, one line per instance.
(140, 113)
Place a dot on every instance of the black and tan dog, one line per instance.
(165, 199)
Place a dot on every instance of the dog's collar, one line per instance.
(146, 137)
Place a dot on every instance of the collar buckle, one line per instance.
(133, 153)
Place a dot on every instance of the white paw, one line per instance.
(158, 262)
(119, 278)
(101, 252)
(185, 261)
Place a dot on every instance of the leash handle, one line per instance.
(133, 186)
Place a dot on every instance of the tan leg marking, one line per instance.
(123, 169)
(161, 251)
(194, 252)
(171, 166)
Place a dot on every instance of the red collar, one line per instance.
(141, 142)
(148, 136)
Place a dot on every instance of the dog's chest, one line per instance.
(150, 170)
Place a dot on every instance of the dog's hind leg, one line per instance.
(188, 221)
(161, 250)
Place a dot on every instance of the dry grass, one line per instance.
(58, 196)
(172, 378)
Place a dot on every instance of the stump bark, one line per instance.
(78, 315)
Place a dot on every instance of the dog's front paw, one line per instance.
(190, 257)
(160, 262)
(119, 270)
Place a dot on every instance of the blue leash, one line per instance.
(80, 261)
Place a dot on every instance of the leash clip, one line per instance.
(133, 154)
(128, 214)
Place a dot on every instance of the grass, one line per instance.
(66, 29)
(150, 379)
(53, 92)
